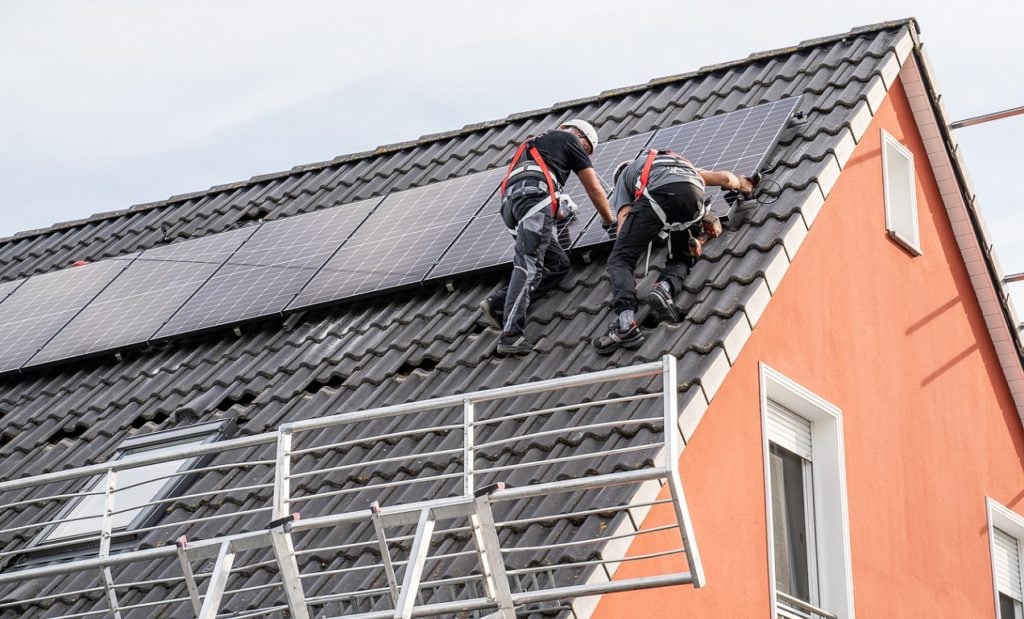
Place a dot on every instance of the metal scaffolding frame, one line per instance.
(403, 533)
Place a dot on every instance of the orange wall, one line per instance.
(898, 343)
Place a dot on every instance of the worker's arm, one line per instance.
(728, 180)
(588, 177)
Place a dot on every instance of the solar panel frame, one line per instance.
(401, 241)
(41, 306)
(269, 269)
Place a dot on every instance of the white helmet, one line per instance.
(585, 128)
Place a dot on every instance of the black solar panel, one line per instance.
(129, 310)
(6, 288)
(37, 310)
(739, 141)
(266, 272)
(587, 230)
(213, 249)
(402, 240)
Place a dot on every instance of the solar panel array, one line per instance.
(402, 239)
(265, 274)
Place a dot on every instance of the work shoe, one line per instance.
(493, 314)
(660, 302)
(616, 339)
(513, 344)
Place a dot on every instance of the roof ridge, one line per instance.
(465, 130)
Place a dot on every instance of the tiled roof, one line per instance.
(430, 342)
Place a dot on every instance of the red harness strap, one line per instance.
(645, 174)
(535, 155)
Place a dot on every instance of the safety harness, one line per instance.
(710, 226)
(516, 168)
(665, 158)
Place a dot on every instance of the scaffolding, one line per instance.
(467, 505)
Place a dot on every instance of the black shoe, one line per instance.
(492, 312)
(615, 339)
(661, 304)
(512, 344)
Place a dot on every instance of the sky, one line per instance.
(105, 104)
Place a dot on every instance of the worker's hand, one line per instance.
(746, 186)
(752, 181)
(611, 229)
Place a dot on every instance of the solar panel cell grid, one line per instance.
(213, 249)
(128, 311)
(739, 141)
(38, 309)
(267, 271)
(402, 240)
(588, 230)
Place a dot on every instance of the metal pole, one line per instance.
(190, 577)
(632, 371)
(139, 460)
(105, 528)
(414, 569)
(984, 118)
(1017, 277)
(385, 552)
(218, 582)
(284, 552)
(672, 446)
(282, 471)
(492, 565)
(469, 453)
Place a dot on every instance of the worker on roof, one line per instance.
(658, 193)
(530, 197)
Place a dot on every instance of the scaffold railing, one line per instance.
(476, 504)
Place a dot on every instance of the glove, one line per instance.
(566, 207)
(611, 229)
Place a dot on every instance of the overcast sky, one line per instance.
(105, 104)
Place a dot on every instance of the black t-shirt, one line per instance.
(563, 153)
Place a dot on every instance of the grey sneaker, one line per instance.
(615, 339)
(661, 304)
(491, 313)
(513, 344)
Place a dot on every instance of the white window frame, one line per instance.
(831, 517)
(196, 434)
(1009, 522)
(910, 240)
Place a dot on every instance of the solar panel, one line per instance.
(37, 310)
(739, 141)
(128, 311)
(402, 240)
(213, 249)
(6, 288)
(266, 272)
(587, 230)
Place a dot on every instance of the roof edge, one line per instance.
(465, 130)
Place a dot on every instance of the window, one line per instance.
(135, 488)
(900, 189)
(805, 487)
(1006, 530)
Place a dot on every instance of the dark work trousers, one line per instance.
(539, 263)
(680, 202)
